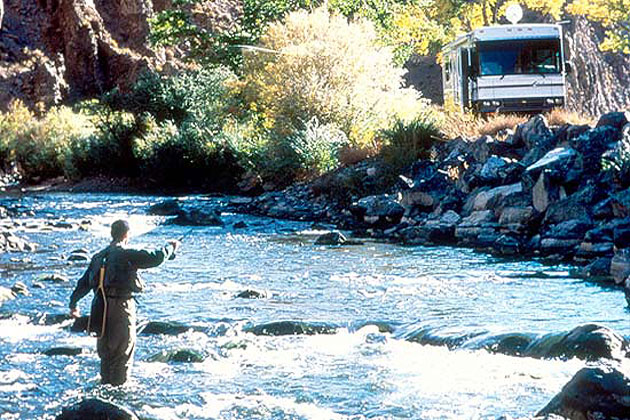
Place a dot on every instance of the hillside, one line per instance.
(58, 51)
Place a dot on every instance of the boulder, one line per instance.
(560, 247)
(593, 393)
(55, 278)
(178, 356)
(96, 409)
(517, 217)
(382, 210)
(555, 163)
(571, 229)
(586, 342)
(600, 267)
(331, 238)
(482, 200)
(478, 218)
(198, 217)
(621, 204)
(436, 231)
(592, 144)
(533, 133)
(240, 225)
(63, 351)
(507, 245)
(620, 265)
(545, 192)
(493, 172)
(251, 294)
(163, 328)
(616, 120)
(166, 208)
(290, 328)
(12, 243)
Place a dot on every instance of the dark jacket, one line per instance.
(121, 266)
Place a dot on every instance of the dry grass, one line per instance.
(455, 124)
(498, 122)
(349, 155)
(559, 116)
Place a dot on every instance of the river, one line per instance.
(375, 297)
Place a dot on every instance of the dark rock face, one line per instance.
(96, 409)
(593, 393)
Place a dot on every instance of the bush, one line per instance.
(406, 142)
(40, 146)
(322, 66)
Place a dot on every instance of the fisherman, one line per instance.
(117, 342)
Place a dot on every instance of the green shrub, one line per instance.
(406, 142)
(40, 145)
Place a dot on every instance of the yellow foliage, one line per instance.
(320, 65)
(39, 145)
(614, 15)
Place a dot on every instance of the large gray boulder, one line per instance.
(593, 393)
(533, 133)
(96, 409)
(384, 209)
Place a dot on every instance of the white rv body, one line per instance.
(507, 68)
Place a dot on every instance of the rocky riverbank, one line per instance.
(534, 191)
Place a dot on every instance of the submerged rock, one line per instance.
(290, 328)
(198, 217)
(96, 409)
(166, 208)
(252, 294)
(331, 238)
(586, 342)
(63, 351)
(55, 278)
(165, 328)
(178, 356)
(593, 393)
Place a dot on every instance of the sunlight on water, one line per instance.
(372, 297)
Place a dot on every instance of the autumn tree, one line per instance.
(614, 15)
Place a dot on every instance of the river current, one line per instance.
(373, 297)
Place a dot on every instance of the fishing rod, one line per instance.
(180, 239)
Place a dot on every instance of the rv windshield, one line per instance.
(519, 57)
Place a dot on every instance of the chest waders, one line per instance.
(98, 313)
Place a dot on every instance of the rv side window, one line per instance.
(447, 69)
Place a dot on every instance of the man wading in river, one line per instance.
(119, 280)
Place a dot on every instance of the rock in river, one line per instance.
(198, 217)
(178, 356)
(96, 409)
(593, 393)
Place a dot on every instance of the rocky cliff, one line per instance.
(57, 50)
(599, 81)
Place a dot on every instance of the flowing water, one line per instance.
(375, 297)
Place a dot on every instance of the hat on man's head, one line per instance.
(119, 230)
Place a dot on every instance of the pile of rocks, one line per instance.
(539, 190)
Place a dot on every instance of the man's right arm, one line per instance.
(148, 259)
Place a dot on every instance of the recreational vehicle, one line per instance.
(506, 68)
